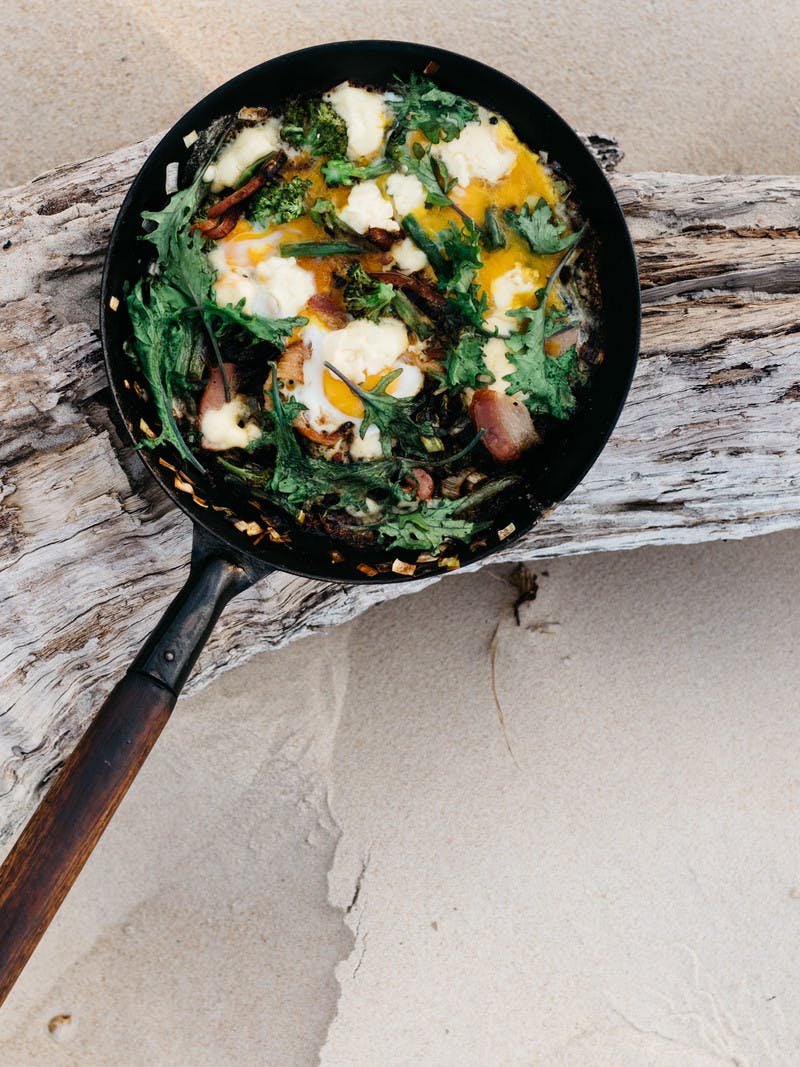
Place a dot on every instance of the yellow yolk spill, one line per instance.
(344, 399)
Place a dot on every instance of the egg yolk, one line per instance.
(344, 399)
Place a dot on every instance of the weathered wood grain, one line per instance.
(92, 551)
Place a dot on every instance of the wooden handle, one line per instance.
(57, 841)
(59, 838)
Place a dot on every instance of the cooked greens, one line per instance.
(315, 341)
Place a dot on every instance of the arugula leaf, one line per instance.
(438, 114)
(181, 259)
(365, 296)
(343, 172)
(275, 331)
(546, 381)
(279, 202)
(466, 367)
(163, 341)
(428, 527)
(315, 125)
(392, 415)
(536, 225)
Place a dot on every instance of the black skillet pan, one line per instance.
(56, 842)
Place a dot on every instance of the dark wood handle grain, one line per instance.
(58, 839)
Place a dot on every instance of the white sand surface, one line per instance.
(334, 855)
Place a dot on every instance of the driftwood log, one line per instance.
(92, 551)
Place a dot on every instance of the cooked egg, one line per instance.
(284, 287)
(407, 193)
(229, 426)
(477, 152)
(366, 116)
(248, 145)
(364, 352)
(367, 207)
(407, 256)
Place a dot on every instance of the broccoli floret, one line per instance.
(315, 125)
(279, 202)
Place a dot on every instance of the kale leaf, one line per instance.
(392, 415)
(537, 227)
(428, 527)
(163, 342)
(430, 171)
(275, 331)
(365, 296)
(546, 381)
(279, 202)
(423, 106)
(465, 364)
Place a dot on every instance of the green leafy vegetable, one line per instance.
(279, 202)
(455, 257)
(546, 381)
(275, 331)
(465, 364)
(343, 172)
(428, 527)
(430, 171)
(536, 225)
(440, 115)
(315, 125)
(365, 296)
(492, 235)
(162, 348)
(319, 248)
(372, 298)
(392, 415)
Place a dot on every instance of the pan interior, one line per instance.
(551, 470)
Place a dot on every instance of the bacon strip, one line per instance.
(507, 424)
(223, 227)
(236, 197)
(381, 238)
(424, 483)
(328, 310)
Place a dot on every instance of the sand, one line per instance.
(335, 855)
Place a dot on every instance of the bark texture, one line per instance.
(92, 551)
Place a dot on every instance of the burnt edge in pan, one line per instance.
(570, 449)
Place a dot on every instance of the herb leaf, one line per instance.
(438, 114)
(422, 167)
(428, 527)
(279, 202)
(536, 225)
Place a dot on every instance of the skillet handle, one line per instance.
(58, 839)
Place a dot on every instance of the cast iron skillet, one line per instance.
(56, 842)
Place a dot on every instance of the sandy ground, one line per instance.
(334, 855)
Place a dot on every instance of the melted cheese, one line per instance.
(228, 426)
(366, 206)
(408, 257)
(366, 116)
(495, 356)
(285, 288)
(407, 192)
(248, 145)
(477, 152)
